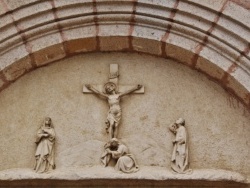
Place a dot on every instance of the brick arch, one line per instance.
(211, 37)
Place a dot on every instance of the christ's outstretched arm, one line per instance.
(96, 91)
(131, 90)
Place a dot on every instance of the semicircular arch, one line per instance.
(211, 38)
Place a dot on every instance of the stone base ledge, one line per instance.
(99, 176)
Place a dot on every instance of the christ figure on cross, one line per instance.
(113, 97)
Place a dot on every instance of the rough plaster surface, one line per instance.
(218, 126)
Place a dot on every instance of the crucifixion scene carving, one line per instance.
(113, 94)
(125, 93)
(71, 144)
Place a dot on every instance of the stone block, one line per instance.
(83, 31)
(78, 9)
(64, 3)
(35, 20)
(187, 32)
(116, 43)
(243, 3)
(148, 33)
(231, 27)
(179, 53)
(20, 3)
(114, 7)
(237, 13)
(11, 43)
(146, 45)
(161, 3)
(150, 22)
(186, 42)
(45, 41)
(194, 15)
(223, 48)
(18, 69)
(195, 21)
(40, 31)
(244, 62)
(5, 20)
(32, 10)
(238, 81)
(7, 32)
(2, 9)
(211, 4)
(50, 54)
(209, 68)
(81, 45)
(13, 55)
(162, 8)
(106, 19)
(113, 30)
(226, 35)
(223, 61)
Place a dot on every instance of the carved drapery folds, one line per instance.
(45, 141)
(179, 159)
(117, 151)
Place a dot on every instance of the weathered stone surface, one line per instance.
(78, 46)
(211, 36)
(16, 4)
(218, 125)
(147, 46)
(99, 172)
(13, 72)
(6, 59)
(114, 44)
(38, 24)
(49, 55)
(243, 3)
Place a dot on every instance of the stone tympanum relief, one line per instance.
(125, 162)
(113, 93)
(45, 141)
(142, 128)
(179, 159)
(114, 150)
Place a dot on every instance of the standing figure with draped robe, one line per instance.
(179, 160)
(45, 141)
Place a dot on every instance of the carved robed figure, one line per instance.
(179, 159)
(125, 161)
(45, 141)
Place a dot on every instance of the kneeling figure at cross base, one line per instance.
(125, 162)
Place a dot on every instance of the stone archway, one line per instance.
(211, 37)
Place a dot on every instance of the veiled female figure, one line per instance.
(45, 147)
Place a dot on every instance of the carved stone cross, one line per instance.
(113, 77)
(113, 93)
